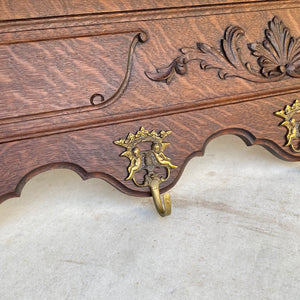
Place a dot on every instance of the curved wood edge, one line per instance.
(248, 138)
(84, 175)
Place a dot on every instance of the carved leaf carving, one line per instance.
(279, 52)
(278, 56)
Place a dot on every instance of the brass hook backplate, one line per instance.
(292, 125)
(151, 161)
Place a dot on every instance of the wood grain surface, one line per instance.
(50, 68)
(13, 9)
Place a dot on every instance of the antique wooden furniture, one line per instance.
(79, 79)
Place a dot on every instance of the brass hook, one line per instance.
(150, 161)
(163, 207)
(289, 121)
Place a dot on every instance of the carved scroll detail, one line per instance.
(139, 37)
(278, 56)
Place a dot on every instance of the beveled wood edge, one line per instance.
(73, 167)
(153, 8)
(92, 117)
(41, 29)
(248, 138)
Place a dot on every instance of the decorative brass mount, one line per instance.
(291, 124)
(151, 161)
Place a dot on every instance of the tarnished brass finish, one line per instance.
(151, 161)
(291, 124)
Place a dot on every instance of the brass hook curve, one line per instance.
(163, 207)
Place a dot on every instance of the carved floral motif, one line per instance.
(278, 56)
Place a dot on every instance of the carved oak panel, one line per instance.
(73, 84)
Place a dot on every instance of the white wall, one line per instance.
(234, 233)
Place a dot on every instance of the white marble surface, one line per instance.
(234, 233)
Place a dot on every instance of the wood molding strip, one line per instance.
(62, 122)
(21, 31)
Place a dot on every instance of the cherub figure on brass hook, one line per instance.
(289, 114)
(159, 155)
(149, 160)
(135, 164)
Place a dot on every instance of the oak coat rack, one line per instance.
(81, 79)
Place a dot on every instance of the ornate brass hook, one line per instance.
(153, 180)
(151, 161)
(163, 207)
(288, 114)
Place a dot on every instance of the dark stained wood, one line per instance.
(50, 69)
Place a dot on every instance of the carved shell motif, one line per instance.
(278, 57)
